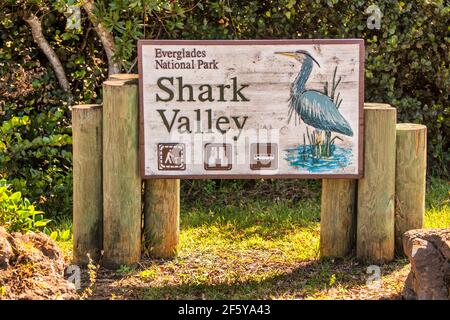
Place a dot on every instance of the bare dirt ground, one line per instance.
(32, 267)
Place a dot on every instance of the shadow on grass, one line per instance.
(298, 282)
(438, 193)
(254, 218)
(317, 279)
(207, 193)
(309, 279)
(220, 260)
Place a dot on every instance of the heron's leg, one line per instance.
(318, 136)
(319, 142)
(328, 143)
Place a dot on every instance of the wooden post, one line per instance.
(410, 180)
(162, 216)
(337, 217)
(123, 76)
(87, 183)
(121, 177)
(375, 209)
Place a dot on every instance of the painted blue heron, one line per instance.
(314, 108)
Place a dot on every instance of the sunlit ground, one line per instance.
(257, 249)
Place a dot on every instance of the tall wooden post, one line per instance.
(410, 180)
(162, 216)
(121, 177)
(87, 183)
(337, 217)
(375, 209)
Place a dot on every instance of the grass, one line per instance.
(437, 213)
(61, 226)
(261, 247)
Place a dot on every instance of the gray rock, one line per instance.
(428, 251)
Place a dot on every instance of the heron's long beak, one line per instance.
(297, 54)
(287, 54)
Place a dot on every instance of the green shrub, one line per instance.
(407, 60)
(35, 124)
(38, 166)
(17, 213)
(407, 65)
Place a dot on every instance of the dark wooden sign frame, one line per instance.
(360, 148)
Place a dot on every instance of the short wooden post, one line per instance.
(122, 216)
(375, 209)
(123, 76)
(410, 180)
(162, 216)
(337, 217)
(87, 183)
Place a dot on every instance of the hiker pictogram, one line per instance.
(171, 156)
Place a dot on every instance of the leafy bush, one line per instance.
(17, 213)
(35, 124)
(407, 61)
(37, 166)
(407, 65)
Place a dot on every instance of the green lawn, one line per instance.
(437, 214)
(260, 248)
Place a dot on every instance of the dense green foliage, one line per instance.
(17, 213)
(35, 133)
(407, 65)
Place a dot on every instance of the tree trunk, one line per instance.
(36, 30)
(106, 38)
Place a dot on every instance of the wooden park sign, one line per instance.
(243, 109)
(247, 109)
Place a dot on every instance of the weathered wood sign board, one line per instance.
(247, 109)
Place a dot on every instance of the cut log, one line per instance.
(121, 178)
(87, 183)
(410, 180)
(337, 217)
(375, 209)
(162, 216)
